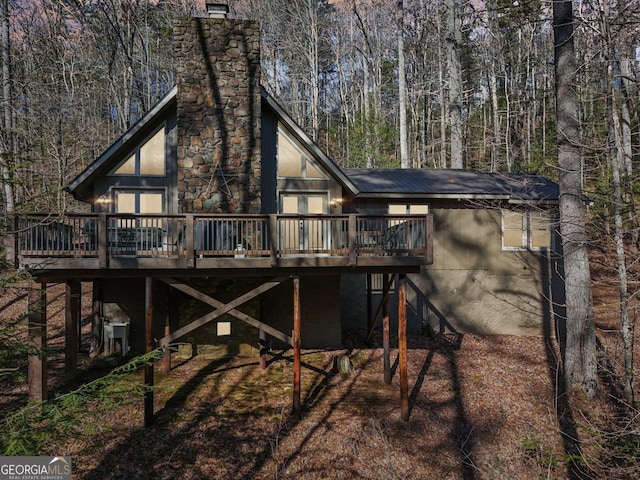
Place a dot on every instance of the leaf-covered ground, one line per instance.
(481, 408)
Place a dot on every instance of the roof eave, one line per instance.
(431, 196)
(456, 196)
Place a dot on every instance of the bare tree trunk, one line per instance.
(627, 144)
(455, 83)
(6, 142)
(616, 162)
(619, 156)
(404, 154)
(495, 143)
(441, 94)
(580, 367)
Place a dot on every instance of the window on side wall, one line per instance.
(411, 209)
(523, 230)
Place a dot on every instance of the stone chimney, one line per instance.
(218, 115)
(217, 10)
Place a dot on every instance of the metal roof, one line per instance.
(447, 183)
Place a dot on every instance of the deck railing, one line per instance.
(107, 236)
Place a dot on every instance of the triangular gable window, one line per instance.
(294, 161)
(148, 159)
(127, 168)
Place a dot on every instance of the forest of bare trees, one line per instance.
(477, 80)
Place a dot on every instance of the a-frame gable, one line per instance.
(319, 158)
(81, 187)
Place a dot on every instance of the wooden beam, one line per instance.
(96, 320)
(37, 324)
(189, 241)
(385, 296)
(402, 345)
(262, 339)
(352, 240)
(262, 345)
(72, 314)
(296, 344)
(385, 330)
(370, 320)
(273, 239)
(165, 364)
(222, 308)
(103, 247)
(148, 341)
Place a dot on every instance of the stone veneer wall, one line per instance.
(218, 115)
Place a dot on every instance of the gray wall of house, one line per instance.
(473, 285)
(218, 115)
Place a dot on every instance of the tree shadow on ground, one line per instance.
(564, 416)
(446, 344)
(233, 415)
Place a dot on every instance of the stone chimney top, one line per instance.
(217, 10)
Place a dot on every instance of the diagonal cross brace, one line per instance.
(222, 308)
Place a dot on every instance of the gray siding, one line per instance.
(473, 285)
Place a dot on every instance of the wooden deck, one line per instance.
(91, 243)
(173, 249)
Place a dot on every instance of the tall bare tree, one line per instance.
(454, 40)
(580, 363)
(6, 140)
(402, 90)
(620, 152)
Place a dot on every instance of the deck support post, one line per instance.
(262, 338)
(370, 319)
(37, 320)
(103, 245)
(402, 345)
(37, 361)
(262, 345)
(385, 330)
(165, 364)
(148, 339)
(296, 344)
(273, 240)
(72, 313)
(96, 320)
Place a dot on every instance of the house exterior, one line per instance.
(496, 267)
(215, 198)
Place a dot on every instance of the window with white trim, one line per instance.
(523, 230)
